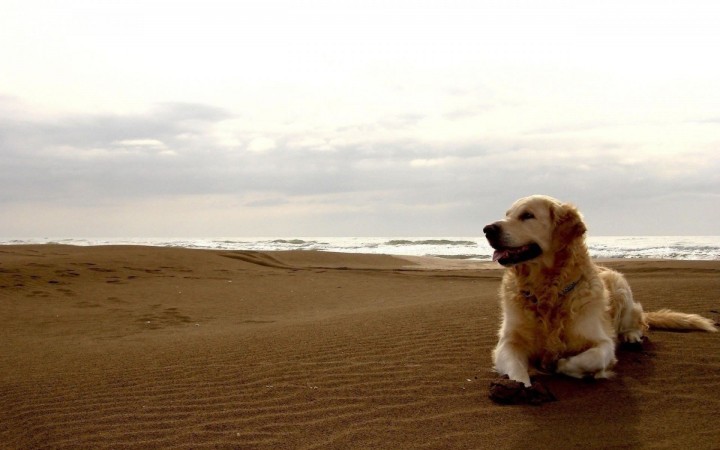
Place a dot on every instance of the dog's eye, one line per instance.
(526, 216)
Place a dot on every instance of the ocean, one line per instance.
(474, 248)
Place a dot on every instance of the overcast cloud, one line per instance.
(403, 121)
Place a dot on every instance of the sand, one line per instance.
(141, 347)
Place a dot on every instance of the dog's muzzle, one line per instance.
(508, 255)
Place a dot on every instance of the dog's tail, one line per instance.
(670, 320)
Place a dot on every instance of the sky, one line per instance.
(355, 118)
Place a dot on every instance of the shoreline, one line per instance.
(475, 248)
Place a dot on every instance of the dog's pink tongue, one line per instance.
(497, 254)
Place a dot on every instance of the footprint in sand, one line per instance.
(85, 304)
(67, 292)
(42, 294)
(165, 318)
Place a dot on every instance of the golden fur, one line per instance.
(561, 312)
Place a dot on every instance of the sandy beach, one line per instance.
(145, 347)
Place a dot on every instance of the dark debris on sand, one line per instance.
(510, 392)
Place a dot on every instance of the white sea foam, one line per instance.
(661, 247)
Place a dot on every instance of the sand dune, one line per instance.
(140, 347)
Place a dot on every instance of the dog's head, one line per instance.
(534, 226)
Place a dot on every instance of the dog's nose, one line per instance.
(492, 230)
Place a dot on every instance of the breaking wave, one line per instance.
(649, 247)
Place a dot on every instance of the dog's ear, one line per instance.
(568, 223)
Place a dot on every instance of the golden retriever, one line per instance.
(561, 312)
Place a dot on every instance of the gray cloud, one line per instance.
(90, 155)
(399, 186)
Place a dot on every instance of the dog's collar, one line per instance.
(566, 290)
(569, 287)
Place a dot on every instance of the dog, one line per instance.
(561, 313)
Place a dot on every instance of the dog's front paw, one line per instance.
(565, 366)
(569, 367)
